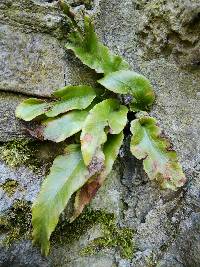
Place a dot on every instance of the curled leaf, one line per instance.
(160, 162)
(58, 129)
(31, 108)
(92, 52)
(108, 115)
(89, 190)
(71, 97)
(68, 173)
(130, 83)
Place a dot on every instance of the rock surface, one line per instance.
(160, 39)
(10, 128)
(171, 28)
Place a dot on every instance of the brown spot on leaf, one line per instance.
(167, 177)
(182, 181)
(37, 133)
(87, 138)
(96, 165)
(84, 196)
(154, 166)
(110, 130)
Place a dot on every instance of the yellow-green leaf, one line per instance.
(111, 150)
(85, 194)
(160, 162)
(71, 97)
(130, 83)
(67, 175)
(31, 108)
(107, 116)
(92, 52)
(58, 129)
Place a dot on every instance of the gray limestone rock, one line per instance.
(10, 127)
(32, 58)
(171, 28)
(32, 63)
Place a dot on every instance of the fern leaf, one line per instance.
(67, 175)
(92, 52)
(108, 115)
(130, 83)
(71, 97)
(58, 129)
(89, 190)
(160, 162)
(31, 108)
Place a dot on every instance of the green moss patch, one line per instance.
(19, 152)
(10, 187)
(16, 222)
(113, 236)
(30, 153)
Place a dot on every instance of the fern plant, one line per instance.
(98, 119)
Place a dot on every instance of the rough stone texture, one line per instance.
(33, 60)
(172, 28)
(10, 128)
(28, 185)
(158, 39)
(31, 63)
